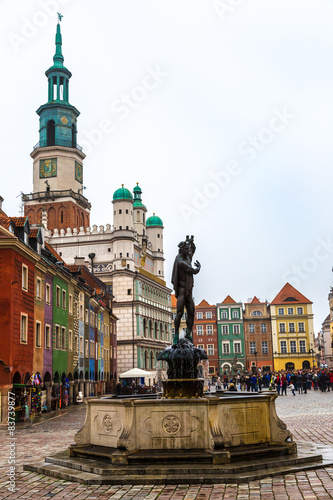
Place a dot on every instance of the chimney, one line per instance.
(79, 261)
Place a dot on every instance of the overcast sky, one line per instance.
(221, 110)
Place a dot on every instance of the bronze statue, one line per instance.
(182, 280)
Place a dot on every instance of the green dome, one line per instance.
(122, 194)
(154, 221)
(137, 188)
(138, 204)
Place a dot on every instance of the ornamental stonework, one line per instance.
(171, 425)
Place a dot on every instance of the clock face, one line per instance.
(64, 120)
(78, 172)
(48, 168)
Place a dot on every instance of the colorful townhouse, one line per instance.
(257, 336)
(205, 334)
(230, 336)
(292, 330)
(41, 350)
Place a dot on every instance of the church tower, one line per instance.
(57, 158)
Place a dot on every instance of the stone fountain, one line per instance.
(184, 436)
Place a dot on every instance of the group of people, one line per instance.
(296, 380)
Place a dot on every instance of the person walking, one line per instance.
(278, 384)
(284, 384)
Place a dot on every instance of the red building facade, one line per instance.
(205, 333)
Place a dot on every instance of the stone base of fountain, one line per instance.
(183, 388)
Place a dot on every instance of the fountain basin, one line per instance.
(217, 428)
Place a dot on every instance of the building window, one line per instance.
(301, 327)
(48, 294)
(120, 211)
(199, 315)
(24, 328)
(282, 327)
(226, 348)
(252, 347)
(81, 312)
(63, 338)
(235, 314)
(200, 346)
(70, 304)
(283, 345)
(209, 329)
(224, 315)
(225, 329)
(76, 347)
(24, 277)
(263, 328)
(300, 310)
(264, 347)
(290, 310)
(280, 311)
(70, 340)
(38, 334)
(209, 315)
(210, 350)
(129, 291)
(302, 346)
(58, 296)
(57, 337)
(256, 313)
(47, 336)
(293, 346)
(237, 347)
(292, 327)
(39, 288)
(126, 211)
(86, 349)
(87, 316)
(81, 346)
(199, 330)
(251, 328)
(236, 329)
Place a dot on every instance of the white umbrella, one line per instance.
(135, 373)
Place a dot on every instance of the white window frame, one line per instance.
(264, 347)
(47, 336)
(48, 294)
(302, 346)
(251, 328)
(70, 303)
(200, 346)
(57, 296)
(226, 347)
(199, 315)
(38, 334)
(300, 310)
(301, 327)
(86, 316)
(281, 311)
(263, 327)
(237, 350)
(24, 329)
(293, 346)
(210, 349)
(81, 345)
(70, 340)
(225, 327)
(236, 329)
(253, 347)
(57, 336)
(291, 328)
(290, 311)
(283, 346)
(209, 330)
(282, 328)
(86, 348)
(209, 315)
(38, 288)
(63, 338)
(199, 330)
(63, 299)
(25, 277)
(224, 315)
(235, 314)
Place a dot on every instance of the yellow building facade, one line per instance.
(292, 330)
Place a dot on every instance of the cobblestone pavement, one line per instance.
(308, 416)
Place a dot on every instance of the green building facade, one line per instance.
(230, 333)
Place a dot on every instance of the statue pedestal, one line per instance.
(183, 388)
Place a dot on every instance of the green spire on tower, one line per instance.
(58, 58)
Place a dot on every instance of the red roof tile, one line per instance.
(19, 221)
(255, 300)
(204, 303)
(73, 268)
(228, 300)
(51, 249)
(289, 295)
(34, 232)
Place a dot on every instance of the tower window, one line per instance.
(120, 211)
(61, 216)
(50, 133)
(126, 227)
(138, 216)
(127, 211)
(73, 136)
(120, 227)
(144, 217)
(158, 236)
